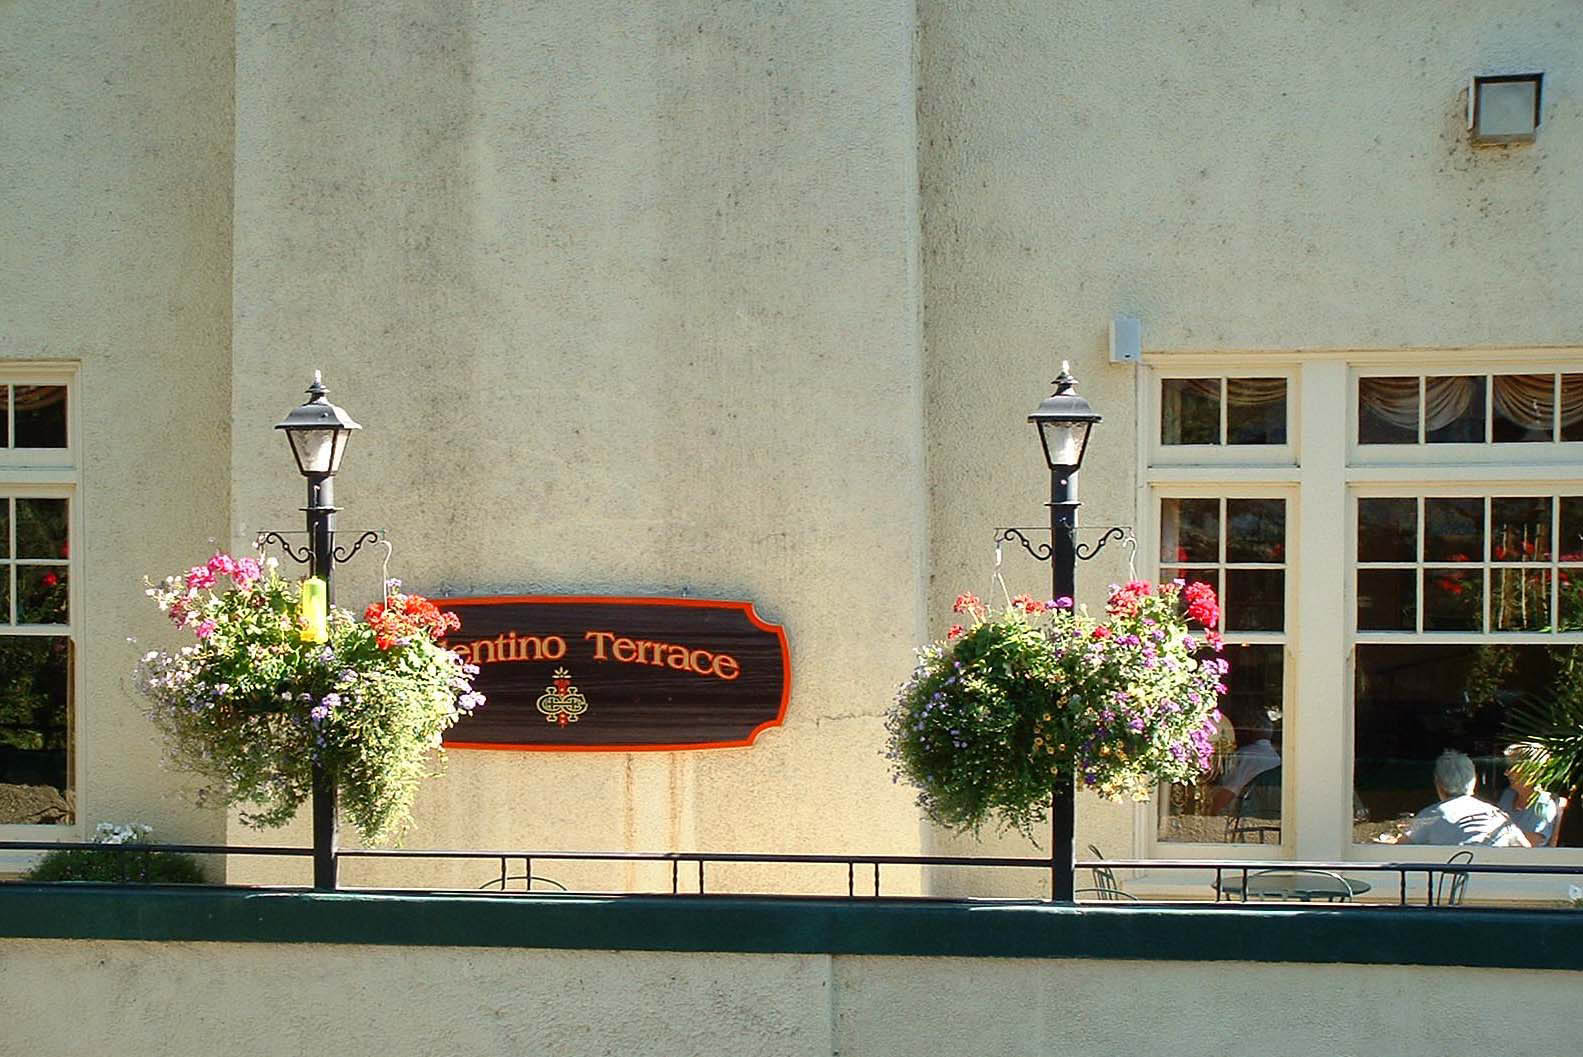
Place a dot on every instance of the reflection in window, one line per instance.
(1454, 409)
(35, 725)
(38, 416)
(1524, 406)
(1484, 564)
(1415, 701)
(1239, 800)
(1190, 411)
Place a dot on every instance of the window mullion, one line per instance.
(1319, 726)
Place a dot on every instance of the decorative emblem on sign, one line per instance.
(562, 702)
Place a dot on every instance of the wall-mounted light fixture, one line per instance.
(1504, 108)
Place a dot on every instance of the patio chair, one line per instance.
(1104, 876)
(1256, 812)
(1453, 883)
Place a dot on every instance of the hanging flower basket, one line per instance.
(1014, 702)
(262, 693)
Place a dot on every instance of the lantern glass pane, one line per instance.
(1063, 442)
(314, 449)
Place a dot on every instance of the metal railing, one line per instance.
(1234, 882)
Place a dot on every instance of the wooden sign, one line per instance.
(618, 674)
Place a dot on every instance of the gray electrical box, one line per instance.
(1126, 340)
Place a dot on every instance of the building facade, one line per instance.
(750, 301)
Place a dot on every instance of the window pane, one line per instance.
(35, 786)
(1414, 702)
(1572, 407)
(1454, 529)
(1190, 411)
(1387, 600)
(1453, 599)
(1520, 529)
(1239, 800)
(1569, 598)
(1256, 411)
(1255, 530)
(1388, 410)
(40, 416)
(5, 525)
(1255, 600)
(1525, 407)
(1454, 410)
(41, 528)
(41, 594)
(1190, 530)
(5, 418)
(1570, 545)
(1387, 530)
(1519, 599)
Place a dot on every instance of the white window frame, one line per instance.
(1328, 472)
(53, 473)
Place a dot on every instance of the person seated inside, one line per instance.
(1255, 755)
(1533, 811)
(1459, 817)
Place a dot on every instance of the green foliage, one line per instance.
(995, 716)
(1548, 730)
(252, 706)
(116, 867)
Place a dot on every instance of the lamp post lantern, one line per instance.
(318, 432)
(1064, 420)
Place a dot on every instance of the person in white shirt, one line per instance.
(1460, 817)
(1251, 759)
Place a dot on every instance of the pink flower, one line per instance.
(246, 570)
(956, 629)
(205, 629)
(199, 576)
(222, 564)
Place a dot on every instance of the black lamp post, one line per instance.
(1064, 420)
(318, 431)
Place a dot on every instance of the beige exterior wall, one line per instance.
(729, 300)
(625, 300)
(1252, 178)
(115, 157)
(257, 999)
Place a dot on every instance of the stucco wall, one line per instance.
(115, 157)
(1259, 176)
(157, 998)
(625, 298)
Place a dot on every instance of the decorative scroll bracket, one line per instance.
(1043, 551)
(304, 555)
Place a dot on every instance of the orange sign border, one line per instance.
(608, 600)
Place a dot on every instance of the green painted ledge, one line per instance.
(1359, 935)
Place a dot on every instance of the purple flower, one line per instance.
(1135, 723)
(319, 713)
(331, 701)
(1064, 602)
